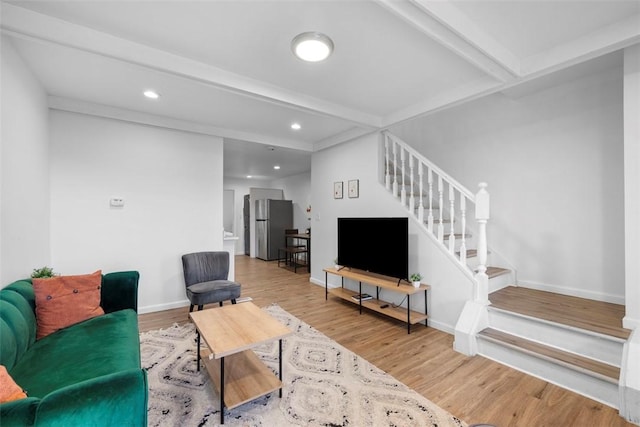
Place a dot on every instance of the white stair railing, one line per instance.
(454, 213)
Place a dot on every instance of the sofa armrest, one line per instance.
(119, 291)
(118, 399)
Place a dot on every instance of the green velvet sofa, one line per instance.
(88, 374)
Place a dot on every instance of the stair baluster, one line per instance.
(387, 164)
(452, 211)
(430, 217)
(395, 170)
(403, 191)
(412, 200)
(440, 204)
(463, 226)
(421, 193)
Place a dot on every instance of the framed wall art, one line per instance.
(354, 190)
(337, 190)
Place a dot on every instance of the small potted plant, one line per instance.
(42, 273)
(415, 279)
(335, 263)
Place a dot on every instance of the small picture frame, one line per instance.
(337, 190)
(354, 188)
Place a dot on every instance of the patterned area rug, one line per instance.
(324, 385)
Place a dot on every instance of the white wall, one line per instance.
(24, 170)
(632, 185)
(360, 159)
(297, 188)
(228, 211)
(553, 159)
(171, 182)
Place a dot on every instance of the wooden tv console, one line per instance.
(407, 315)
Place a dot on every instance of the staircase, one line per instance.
(440, 204)
(542, 334)
(568, 341)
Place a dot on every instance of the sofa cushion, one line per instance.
(17, 322)
(9, 390)
(62, 301)
(90, 349)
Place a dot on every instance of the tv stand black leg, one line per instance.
(326, 286)
(360, 291)
(408, 314)
(426, 321)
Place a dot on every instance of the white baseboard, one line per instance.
(574, 292)
(161, 307)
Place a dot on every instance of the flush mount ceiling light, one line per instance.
(276, 167)
(312, 46)
(296, 126)
(151, 94)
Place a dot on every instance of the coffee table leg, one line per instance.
(408, 314)
(222, 390)
(198, 355)
(280, 363)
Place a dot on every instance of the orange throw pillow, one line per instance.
(63, 301)
(9, 390)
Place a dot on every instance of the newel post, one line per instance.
(482, 216)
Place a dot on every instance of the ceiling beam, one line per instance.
(117, 113)
(20, 22)
(457, 22)
(340, 138)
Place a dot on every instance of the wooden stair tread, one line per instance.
(495, 271)
(471, 253)
(437, 221)
(595, 316)
(574, 361)
(456, 236)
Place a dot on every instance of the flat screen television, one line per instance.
(378, 245)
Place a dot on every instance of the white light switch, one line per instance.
(116, 202)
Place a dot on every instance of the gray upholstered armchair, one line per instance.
(206, 279)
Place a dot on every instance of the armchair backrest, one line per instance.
(201, 267)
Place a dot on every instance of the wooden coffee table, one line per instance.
(231, 332)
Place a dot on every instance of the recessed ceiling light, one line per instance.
(296, 126)
(151, 94)
(276, 167)
(249, 176)
(312, 46)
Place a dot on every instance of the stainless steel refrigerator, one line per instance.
(247, 224)
(273, 217)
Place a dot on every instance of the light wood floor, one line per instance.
(474, 389)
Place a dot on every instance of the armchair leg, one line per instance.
(190, 308)
(233, 301)
(200, 307)
(220, 303)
